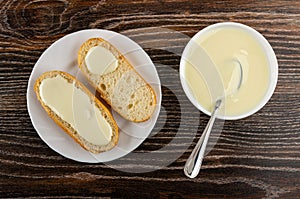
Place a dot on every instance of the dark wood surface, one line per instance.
(256, 157)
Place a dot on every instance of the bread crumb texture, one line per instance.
(124, 89)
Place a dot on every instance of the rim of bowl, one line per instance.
(272, 63)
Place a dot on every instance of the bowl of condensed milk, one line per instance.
(231, 61)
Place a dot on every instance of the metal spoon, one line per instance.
(194, 162)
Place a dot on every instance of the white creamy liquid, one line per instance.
(75, 107)
(100, 60)
(224, 45)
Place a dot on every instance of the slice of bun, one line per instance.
(68, 127)
(124, 89)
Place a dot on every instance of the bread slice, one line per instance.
(67, 127)
(124, 89)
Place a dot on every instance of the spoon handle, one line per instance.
(193, 163)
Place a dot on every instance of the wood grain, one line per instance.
(257, 157)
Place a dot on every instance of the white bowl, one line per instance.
(272, 63)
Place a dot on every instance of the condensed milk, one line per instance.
(100, 60)
(76, 108)
(209, 69)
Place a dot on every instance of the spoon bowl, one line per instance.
(207, 68)
(194, 162)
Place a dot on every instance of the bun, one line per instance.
(124, 89)
(67, 127)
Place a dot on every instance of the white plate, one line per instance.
(62, 55)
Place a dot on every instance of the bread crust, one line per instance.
(67, 127)
(123, 67)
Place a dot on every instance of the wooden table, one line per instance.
(255, 157)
